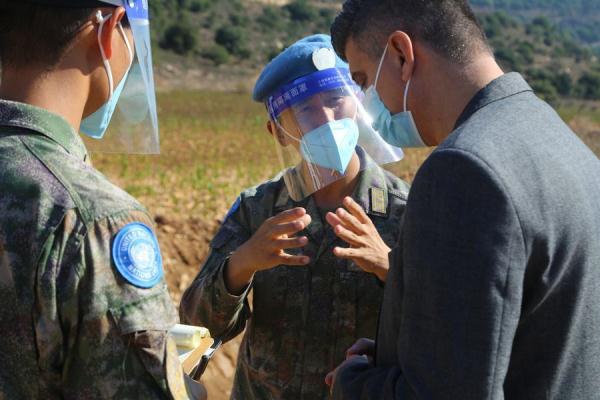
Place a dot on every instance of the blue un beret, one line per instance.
(294, 62)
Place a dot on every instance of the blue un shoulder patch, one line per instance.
(137, 256)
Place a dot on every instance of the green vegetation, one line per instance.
(554, 59)
(580, 17)
(251, 33)
(554, 63)
(572, 7)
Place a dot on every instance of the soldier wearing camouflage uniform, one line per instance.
(73, 325)
(308, 306)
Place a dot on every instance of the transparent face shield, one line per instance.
(133, 127)
(323, 133)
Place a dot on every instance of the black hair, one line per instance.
(450, 27)
(38, 34)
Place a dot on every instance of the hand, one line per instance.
(362, 347)
(266, 248)
(331, 377)
(367, 248)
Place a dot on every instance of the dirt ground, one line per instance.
(184, 244)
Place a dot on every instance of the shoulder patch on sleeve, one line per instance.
(136, 254)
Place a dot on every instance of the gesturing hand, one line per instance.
(367, 248)
(266, 248)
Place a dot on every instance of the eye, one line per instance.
(305, 109)
(335, 101)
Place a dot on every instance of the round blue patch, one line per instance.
(137, 256)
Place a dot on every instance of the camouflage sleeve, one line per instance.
(110, 339)
(208, 302)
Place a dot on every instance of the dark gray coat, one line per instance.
(494, 290)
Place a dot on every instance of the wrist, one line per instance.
(238, 273)
(382, 269)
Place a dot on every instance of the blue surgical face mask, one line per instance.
(331, 145)
(399, 129)
(96, 124)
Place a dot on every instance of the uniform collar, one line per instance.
(370, 190)
(53, 126)
(502, 87)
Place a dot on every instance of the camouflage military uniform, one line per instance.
(72, 327)
(303, 319)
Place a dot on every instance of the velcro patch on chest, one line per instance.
(378, 203)
(136, 254)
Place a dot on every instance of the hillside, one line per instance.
(580, 17)
(575, 8)
(223, 44)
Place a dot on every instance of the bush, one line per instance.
(200, 5)
(563, 83)
(301, 10)
(239, 20)
(271, 19)
(233, 39)
(217, 54)
(179, 38)
(543, 83)
(507, 57)
(588, 85)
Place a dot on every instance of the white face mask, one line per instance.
(96, 124)
(398, 130)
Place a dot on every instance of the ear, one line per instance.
(109, 29)
(276, 132)
(401, 51)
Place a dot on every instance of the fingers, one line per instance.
(350, 221)
(288, 216)
(346, 253)
(348, 236)
(329, 378)
(356, 210)
(290, 228)
(291, 243)
(288, 259)
(362, 346)
(333, 219)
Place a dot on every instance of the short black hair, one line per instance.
(450, 27)
(38, 34)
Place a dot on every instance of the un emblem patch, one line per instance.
(137, 256)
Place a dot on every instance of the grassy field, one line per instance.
(213, 145)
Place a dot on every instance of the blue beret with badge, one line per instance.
(306, 56)
(136, 254)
